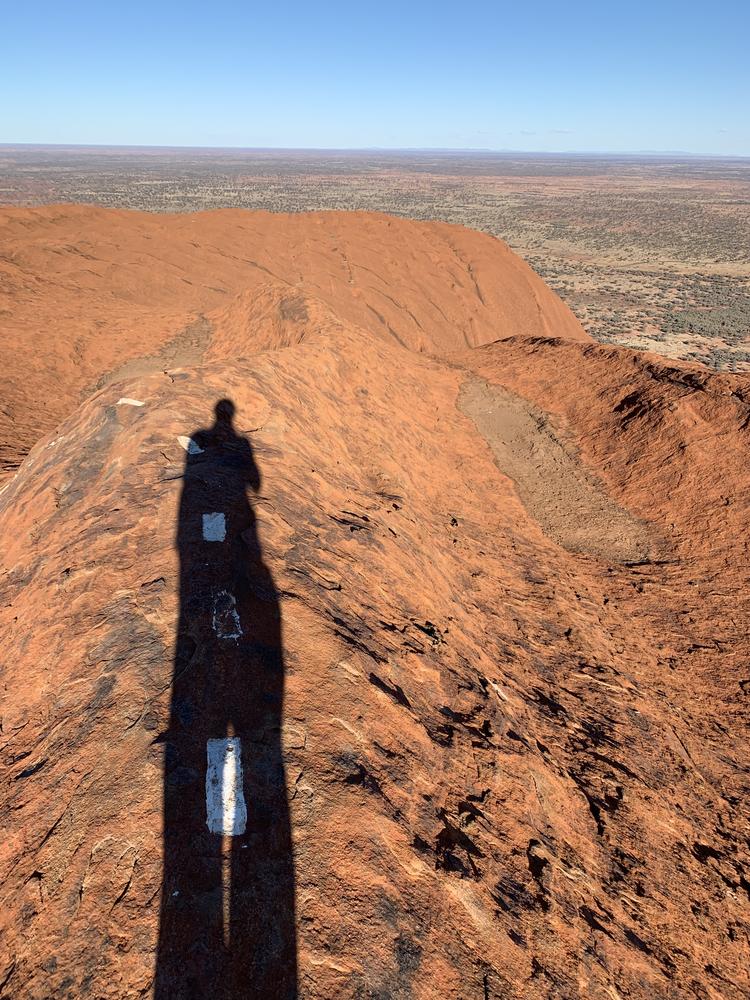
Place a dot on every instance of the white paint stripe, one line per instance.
(226, 812)
(190, 446)
(214, 527)
(127, 401)
(225, 620)
(498, 691)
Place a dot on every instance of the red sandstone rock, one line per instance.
(84, 291)
(514, 752)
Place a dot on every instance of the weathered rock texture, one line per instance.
(515, 748)
(86, 291)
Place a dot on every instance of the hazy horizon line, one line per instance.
(483, 150)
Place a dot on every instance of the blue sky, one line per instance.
(534, 76)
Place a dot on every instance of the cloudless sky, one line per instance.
(609, 75)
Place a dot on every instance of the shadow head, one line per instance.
(224, 412)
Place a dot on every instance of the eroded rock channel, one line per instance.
(567, 501)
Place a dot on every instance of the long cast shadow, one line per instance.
(227, 927)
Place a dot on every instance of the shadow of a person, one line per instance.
(227, 927)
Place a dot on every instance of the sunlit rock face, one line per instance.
(350, 654)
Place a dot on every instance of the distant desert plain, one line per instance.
(650, 252)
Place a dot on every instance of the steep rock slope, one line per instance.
(514, 752)
(84, 291)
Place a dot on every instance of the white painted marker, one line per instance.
(127, 401)
(190, 446)
(226, 812)
(225, 620)
(214, 527)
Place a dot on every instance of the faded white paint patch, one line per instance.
(226, 812)
(127, 401)
(214, 527)
(190, 446)
(225, 620)
(498, 691)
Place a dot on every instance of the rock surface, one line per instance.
(507, 583)
(85, 292)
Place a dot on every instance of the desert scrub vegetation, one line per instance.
(648, 251)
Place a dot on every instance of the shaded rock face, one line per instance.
(454, 751)
(227, 901)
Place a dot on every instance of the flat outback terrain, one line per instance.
(650, 252)
(369, 631)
